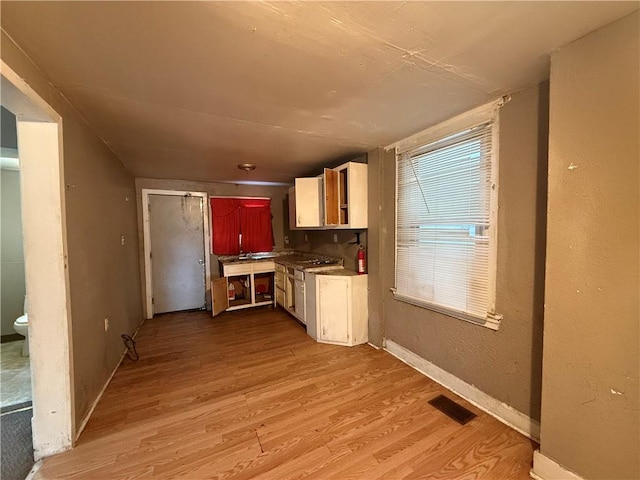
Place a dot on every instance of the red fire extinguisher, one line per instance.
(361, 260)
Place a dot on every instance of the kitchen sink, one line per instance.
(255, 257)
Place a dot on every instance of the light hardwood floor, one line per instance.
(249, 394)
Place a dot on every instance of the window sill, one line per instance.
(491, 321)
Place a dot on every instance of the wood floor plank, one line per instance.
(250, 395)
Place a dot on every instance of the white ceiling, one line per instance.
(187, 90)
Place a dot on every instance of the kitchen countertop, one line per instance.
(253, 257)
(343, 273)
(289, 258)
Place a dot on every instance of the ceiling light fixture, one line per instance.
(247, 167)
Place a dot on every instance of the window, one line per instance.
(446, 218)
(240, 224)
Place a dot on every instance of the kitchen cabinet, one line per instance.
(281, 273)
(280, 298)
(291, 285)
(349, 203)
(290, 291)
(253, 285)
(219, 296)
(299, 310)
(336, 199)
(331, 198)
(337, 307)
(284, 288)
(306, 204)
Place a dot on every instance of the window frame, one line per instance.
(488, 113)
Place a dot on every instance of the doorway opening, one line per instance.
(15, 369)
(15, 375)
(39, 142)
(176, 251)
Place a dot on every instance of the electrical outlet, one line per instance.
(335, 238)
(286, 240)
(121, 239)
(306, 238)
(106, 324)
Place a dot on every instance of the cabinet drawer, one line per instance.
(232, 270)
(262, 267)
(280, 297)
(299, 275)
(280, 268)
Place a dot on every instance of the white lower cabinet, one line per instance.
(336, 307)
(280, 297)
(299, 294)
(281, 275)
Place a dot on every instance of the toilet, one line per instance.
(21, 326)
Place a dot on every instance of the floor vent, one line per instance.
(452, 409)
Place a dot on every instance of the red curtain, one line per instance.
(225, 223)
(255, 225)
(249, 216)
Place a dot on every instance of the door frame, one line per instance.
(146, 234)
(40, 148)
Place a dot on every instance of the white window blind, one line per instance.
(445, 225)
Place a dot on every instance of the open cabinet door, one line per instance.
(219, 295)
(331, 201)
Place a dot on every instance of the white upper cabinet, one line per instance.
(352, 195)
(336, 199)
(306, 204)
(331, 202)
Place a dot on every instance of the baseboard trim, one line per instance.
(86, 418)
(494, 407)
(545, 468)
(32, 473)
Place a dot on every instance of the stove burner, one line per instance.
(322, 262)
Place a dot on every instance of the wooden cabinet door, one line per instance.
(299, 305)
(332, 308)
(308, 202)
(292, 208)
(331, 198)
(219, 295)
(310, 300)
(280, 298)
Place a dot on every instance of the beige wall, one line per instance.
(590, 397)
(100, 207)
(12, 286)
(277, 195)
(505, 364)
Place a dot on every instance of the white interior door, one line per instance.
(176, 226)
